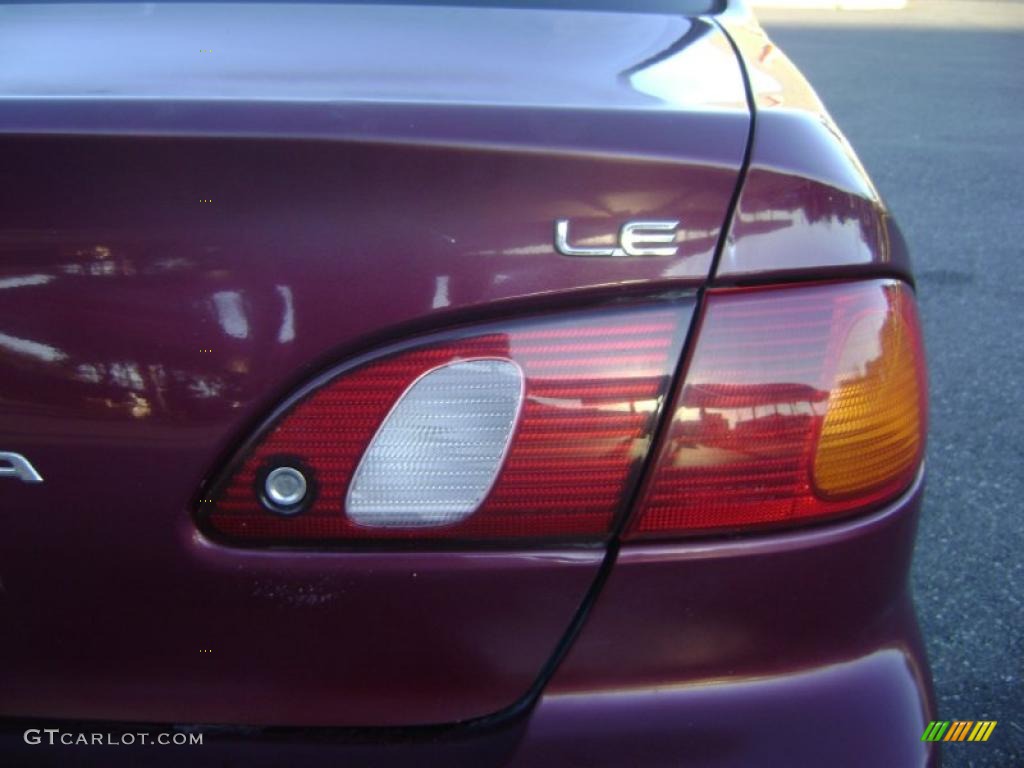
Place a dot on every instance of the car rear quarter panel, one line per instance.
(807, 207)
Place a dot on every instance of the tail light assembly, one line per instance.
(796, 404)
(532, 430)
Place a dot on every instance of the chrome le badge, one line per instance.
(16, 465)
(636, 238)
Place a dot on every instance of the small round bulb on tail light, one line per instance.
(285, 486)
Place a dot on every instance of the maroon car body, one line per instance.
(205, 206)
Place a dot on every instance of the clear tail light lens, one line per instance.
(533, 430)
(439, 451)
(798, 403)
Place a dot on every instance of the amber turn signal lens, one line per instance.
(874, 427)
(798, 403)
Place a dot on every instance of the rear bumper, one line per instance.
(797, 649)
(867, 711)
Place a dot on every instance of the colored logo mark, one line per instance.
(959, 730)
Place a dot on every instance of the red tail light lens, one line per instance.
(798, 403)
(560, 410)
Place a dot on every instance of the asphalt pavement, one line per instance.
(932, 98)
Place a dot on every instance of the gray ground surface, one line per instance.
(936, 112)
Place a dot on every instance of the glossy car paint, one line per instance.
(746, 607)
(419, 199)
(829, 670)
(171, 274)
(807, 206)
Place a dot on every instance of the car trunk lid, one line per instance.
(186, 240)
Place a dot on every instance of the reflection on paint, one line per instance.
(231, 314)
(441, 292)
(23, 281)
(286, 333)
(33, 349)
